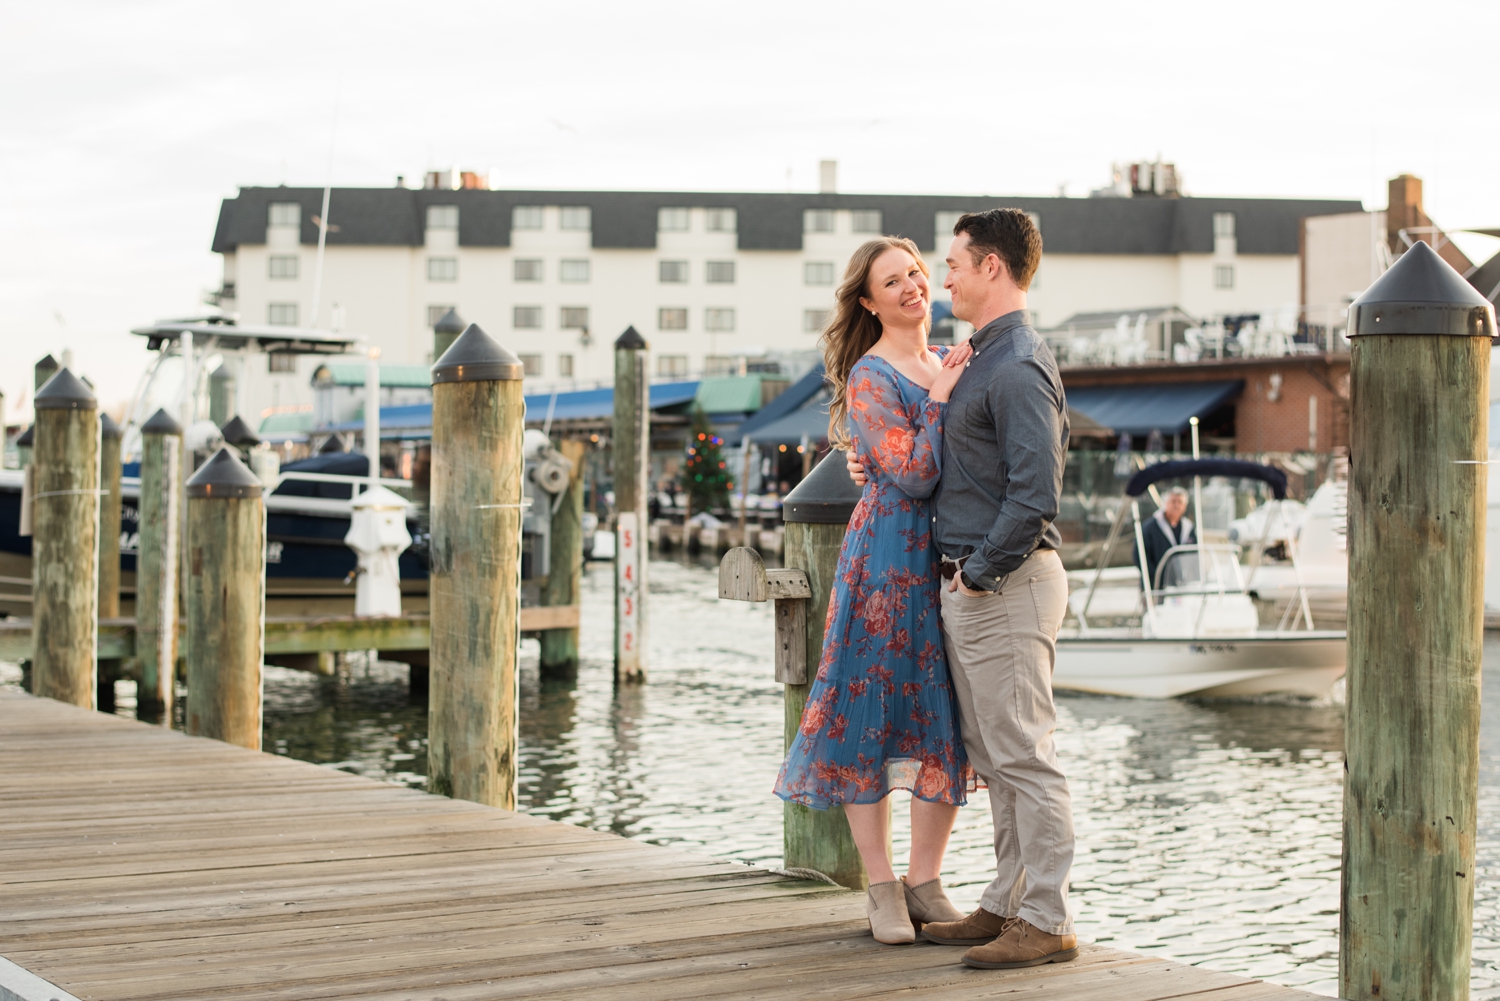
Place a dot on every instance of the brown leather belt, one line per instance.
(949, 568)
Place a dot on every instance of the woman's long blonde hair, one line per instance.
(853, 330)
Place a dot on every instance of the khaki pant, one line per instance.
(1001, 650)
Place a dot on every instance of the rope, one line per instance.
(812, 874)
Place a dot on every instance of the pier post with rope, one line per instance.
(564, 583)
(156, 565)
(65, 557)
(1419, 410)
(478, 425)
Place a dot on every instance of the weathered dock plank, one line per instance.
(139, 863)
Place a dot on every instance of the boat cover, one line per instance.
(1181, 468)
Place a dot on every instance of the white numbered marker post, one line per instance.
(630, 619)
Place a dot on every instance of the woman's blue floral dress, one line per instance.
(880, 714)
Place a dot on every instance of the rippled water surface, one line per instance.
(1208, 832)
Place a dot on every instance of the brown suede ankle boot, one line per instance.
(927, 902)
(978, 928)
(1023, 944)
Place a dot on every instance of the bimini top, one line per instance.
(1179, 468)
(228, 333)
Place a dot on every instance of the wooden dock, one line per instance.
(137, 862)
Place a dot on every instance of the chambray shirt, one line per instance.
(1005, 440)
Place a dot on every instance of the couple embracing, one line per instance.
(941, 635)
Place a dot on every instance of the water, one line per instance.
(1208, 832)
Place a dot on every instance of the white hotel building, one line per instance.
(707, 278)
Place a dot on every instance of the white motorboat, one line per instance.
(1196, 627)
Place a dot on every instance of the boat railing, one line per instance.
(362, 482)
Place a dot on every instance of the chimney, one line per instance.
(1403, 209)
(828, 177)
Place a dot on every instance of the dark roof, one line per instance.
(1486, 278)
(627, 219)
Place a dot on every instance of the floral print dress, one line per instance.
(880, 713)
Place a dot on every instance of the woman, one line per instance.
(880, 714)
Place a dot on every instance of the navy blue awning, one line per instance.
(811, 420)
(1140, 408)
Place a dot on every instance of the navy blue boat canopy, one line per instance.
(1180, 468)
(1140, 408)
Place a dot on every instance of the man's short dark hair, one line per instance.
(1010, 235)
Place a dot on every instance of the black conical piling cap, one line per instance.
(449, 323)
(825, 497)
(237, 432)
(630, 340)
(476, 357)
(335, 443)
(1422, 294)
(27, 437)
(224, 475)
(161, 422)
(107, 426)
(44, 370)
(64, 391)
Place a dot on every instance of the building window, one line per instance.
(283, 266)
(565, 366)
(442, 217)
(719, 366)
(672, 220)
(286, 214)
(817, 220)
(817, 273)
(813, 320)
(435, 313)
(672, 366)
(944, 223)
(672, 272)
(281, 361)
(575, 317)
(527, 317)
(723, 220)
(720, 273)
(442, 269)
(1223, 276)
(531, 365)
(577, 217)
(865, 221)
(282, 314)
(718, 320)
(573, 270)
(671, 318)
(1223, 224)
(528, 269)
(526, 217)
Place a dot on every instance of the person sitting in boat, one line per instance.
(1167, 528)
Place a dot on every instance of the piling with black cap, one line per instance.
(109, 548)
(478, 420)
(225, 592)
(445, 332)
(43, 371)
(239, 434)
(156, 566)
(630, 449)
(24, 444)
(1419, 410)
(64, 547)
(221, 393)
(816, 513)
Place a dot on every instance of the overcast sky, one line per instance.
(124, 124)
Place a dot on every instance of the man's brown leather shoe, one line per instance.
(1022, 944)
(978, 928)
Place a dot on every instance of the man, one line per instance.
(1005, 439)
(1165, 529)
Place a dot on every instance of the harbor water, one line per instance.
(1208, 831)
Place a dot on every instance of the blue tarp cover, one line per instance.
(1139, 409)
(581, 404)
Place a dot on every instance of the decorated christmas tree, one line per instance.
(705, 474)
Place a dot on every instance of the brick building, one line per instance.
(1294, 403)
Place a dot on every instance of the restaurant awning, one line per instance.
(811, 420)
(1138, 409)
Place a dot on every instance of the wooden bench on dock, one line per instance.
(140, 863)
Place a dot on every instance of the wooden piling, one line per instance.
(65, 557)
(225, 588)
(445, 332)
(156, 565)
(816, 514)
(559, 656)
(1419, 424)
(631, 450)
(478, 419)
